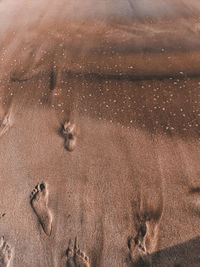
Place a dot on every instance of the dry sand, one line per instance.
(99, 137)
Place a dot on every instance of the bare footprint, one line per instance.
(70, 254)
(144, 243)
(81, 260)
(5, 253)
(5, 124)
(138, 252)
(70, 134)
(76, 257)
(39, 203)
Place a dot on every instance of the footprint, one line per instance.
(70, 134)
(81, 260)
(5, 253)
(70, 254)
(147, 220)
(138, 252)
(5, 124)
(39, 203)
(144, 243)
(76, 257)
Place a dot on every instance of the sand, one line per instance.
(99, 137)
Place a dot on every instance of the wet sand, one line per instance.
(99, 142)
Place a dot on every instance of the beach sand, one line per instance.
(99, 138)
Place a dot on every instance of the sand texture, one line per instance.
(99, 133)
